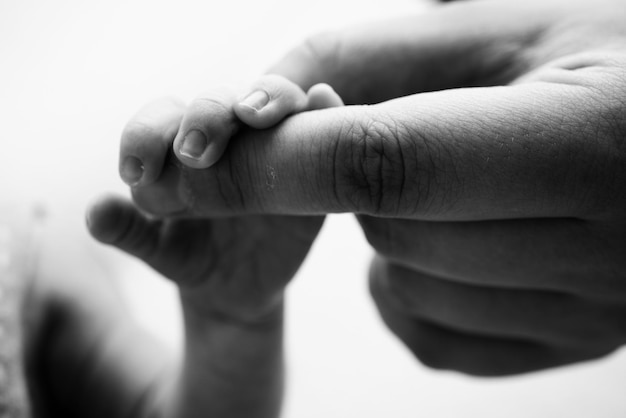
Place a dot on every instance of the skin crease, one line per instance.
(483, 156)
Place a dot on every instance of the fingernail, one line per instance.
(194, 144)
(131, 170)
(257, 100)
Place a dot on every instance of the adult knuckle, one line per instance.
(372, 167)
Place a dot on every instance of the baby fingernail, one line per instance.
(194, 144)
(257, 100)
(131, 170)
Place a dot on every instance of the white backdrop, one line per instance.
(72, 72)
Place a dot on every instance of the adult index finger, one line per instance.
(536, 149)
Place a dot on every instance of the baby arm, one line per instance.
(231, 272)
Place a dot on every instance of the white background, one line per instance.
(72, 72)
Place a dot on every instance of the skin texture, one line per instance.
(483, 156)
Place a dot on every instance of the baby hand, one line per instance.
(233, 266)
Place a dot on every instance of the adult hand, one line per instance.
(493, 185)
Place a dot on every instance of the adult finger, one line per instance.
(529, 254)
(550, 317)
(464, 154)
(441, 348)
(446, 347)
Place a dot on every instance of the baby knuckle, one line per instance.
(211, 104)
(150, 122)
(139, 130)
